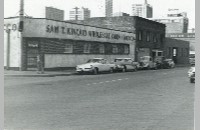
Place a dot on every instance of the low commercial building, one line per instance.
(61, 44)
(149, 34)
(178, 50)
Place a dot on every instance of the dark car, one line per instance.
(168, 63)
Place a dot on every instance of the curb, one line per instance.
(37, 75)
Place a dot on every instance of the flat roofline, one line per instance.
(94, 18)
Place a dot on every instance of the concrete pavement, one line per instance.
(12, 73)
(143, 100)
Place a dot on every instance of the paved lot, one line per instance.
(143, 100)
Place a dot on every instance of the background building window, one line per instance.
(68, 48)
(114, 49)
(87, 47)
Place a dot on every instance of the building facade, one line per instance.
(149, 34)
(174, 24)
(175, 21)
(190, 37)
(142, 10)
(178, 50)
(61, 44)
(53, 13)
(79, 13)
(108, 8)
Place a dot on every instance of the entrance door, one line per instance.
(32, 59)
(175, 54)
(32, 53)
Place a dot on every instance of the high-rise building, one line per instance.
(175, 21)
(79, 13)
(142, 10)
(53, 13)
(109, 8)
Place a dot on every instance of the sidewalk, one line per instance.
(12, 73)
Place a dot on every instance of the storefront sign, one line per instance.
(80, 32)
(33, 44)
(64, 30)
(12, 27)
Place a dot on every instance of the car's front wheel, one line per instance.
(95, 71)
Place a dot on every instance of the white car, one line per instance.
(191, 74)
(125, 64)
(146, 62)
(95, 66)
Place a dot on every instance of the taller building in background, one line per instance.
(79, 13)
(175, 21)
(142, 10)
(54, 13)
(109, 8)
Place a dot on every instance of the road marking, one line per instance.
(100, 82)
(107, 81)
(119, 79)
(126, 78)
(113, 80)
(94, 83)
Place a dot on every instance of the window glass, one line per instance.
(101, 48)
(114, 49)
(87, 48)
(126, 49)
(68, 48)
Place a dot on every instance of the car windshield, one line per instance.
(144, 58)
(94, 60)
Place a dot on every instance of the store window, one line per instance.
(126, 49)
(87, 47)
(68, 48)
(114, 49)
(101, 48)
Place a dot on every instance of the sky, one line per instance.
(36, 8)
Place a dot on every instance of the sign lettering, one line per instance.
(81, 32)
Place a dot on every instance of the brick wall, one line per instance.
(183, 50)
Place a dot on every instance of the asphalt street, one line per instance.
(142, 100)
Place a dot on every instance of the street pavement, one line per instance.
(142, 100)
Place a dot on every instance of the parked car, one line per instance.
(125, 64)
(168, 63)
(146, 62)
(191, 74)
(95, 66)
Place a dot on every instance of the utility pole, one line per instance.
(21, 27)
(8, 50)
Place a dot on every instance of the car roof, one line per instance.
(124, 58)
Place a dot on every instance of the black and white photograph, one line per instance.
(99, 64)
